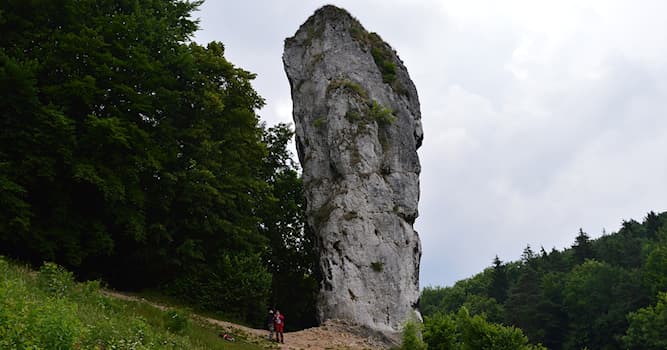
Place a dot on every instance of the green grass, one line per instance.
(48, 310)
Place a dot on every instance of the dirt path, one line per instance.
(330, 336)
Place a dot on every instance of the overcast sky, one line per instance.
(540, 117)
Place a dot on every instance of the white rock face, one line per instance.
(357, 132)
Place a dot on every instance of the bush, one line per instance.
(31, 320)
(411, 337)
(647, 326)
(461, 331)
(48, 310)
(176, 321)
(54, 279)
(240, 287)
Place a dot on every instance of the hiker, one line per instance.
(279, 321)
(269, 323)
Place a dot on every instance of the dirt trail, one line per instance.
(330, 336)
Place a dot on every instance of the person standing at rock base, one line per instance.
(269, 323)
(279, 324)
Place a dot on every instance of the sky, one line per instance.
(540, 117)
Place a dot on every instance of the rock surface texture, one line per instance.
(358, 127)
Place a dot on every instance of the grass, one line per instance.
(48, 310)
(382, 55)
(350, 86)
(377, 266)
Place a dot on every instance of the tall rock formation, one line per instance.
(357, 132)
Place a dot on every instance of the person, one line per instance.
(269, 323)
(279, 321)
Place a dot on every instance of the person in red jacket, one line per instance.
(279, 325)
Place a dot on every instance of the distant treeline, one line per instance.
(606, 293)
(132, 154)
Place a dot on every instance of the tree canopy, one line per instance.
(601, 293)
(129, 152)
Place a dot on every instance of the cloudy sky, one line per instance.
(540, 117)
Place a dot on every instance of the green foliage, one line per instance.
(291, 257)
(647, 327)
(383, 61)
(582, 297)
(81, 317)
(381, 114)
(381, 52)
(349, 86)
(582, 248)
(236, 286)
(461, 331)
(653, 271)
(377, 266)
(440, 332)
(130, 153)
(411, 337)
(176, 321)
(54, 279)
(29, 318)
(372, 111)
(319, 121)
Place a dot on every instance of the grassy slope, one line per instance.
(47, 310)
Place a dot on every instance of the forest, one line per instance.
(133, 155)
(604, 293)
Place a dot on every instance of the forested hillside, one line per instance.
(605, 293)
(132, 154)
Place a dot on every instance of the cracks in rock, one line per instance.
(352, 296)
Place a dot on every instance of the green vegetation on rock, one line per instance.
(349, 86)
(381, 114)
(382, 55)
(377, 266)
(369, 110)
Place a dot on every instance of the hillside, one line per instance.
(602, 293)
(47, 309)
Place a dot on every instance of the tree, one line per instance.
(411, 337)
(597, 296)
(552, 318)
(647, 327)
(441, 333)
(654, 269)
(523, 300)
(582, 247)
(461, 331)
(128, 152)
(290, 255)
(499, 281)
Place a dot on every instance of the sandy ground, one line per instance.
(332, 335)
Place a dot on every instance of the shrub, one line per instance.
(463, 331)
(377, 266)
(349, 86)
(411, 337)
(647, 326)
(54, 279)
(30, 320)
(381, 114)
(176, 321)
